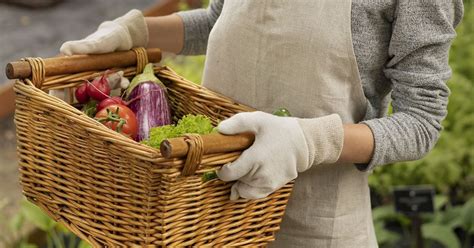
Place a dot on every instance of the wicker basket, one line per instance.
(114, 192)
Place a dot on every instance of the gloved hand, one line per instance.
(122, 33)
(283, 147)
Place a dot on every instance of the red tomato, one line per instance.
(119, 118)
(109, 101)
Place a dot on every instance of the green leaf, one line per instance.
(441, 234)
(197, 124)
(452, 217)
(158, 134)
(387, 212)
(468, 216)
(148, 75)
(36, 216)
(90, 108)
(189, 67)
(208, 176)
(61, 228)
(84, 244)
(27, 245)
(384, 213)
(16, 222)
(440, 201)
(384, 236)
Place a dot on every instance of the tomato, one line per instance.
(119, 118)
(109, 101)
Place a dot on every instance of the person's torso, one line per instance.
(299, 55)
(371, 25)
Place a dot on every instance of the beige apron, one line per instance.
(298, 54)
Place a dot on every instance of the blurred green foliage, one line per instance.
(439, 227)
(56, 235)
(189, 67)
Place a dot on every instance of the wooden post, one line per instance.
(417, 236)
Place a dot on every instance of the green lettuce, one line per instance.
(196, 124)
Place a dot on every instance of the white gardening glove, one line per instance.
(283, 147)
(120, 34)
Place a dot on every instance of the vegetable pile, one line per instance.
(141, 110)
(112, 111)
(138, 110)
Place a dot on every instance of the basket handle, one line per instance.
(80, 63)
(194, 146)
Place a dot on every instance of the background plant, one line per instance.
(441, 227)
(55, 235)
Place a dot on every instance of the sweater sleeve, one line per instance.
(197, 26)
(418, 68)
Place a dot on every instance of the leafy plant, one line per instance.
(467, 214)
(57, 236)
(384, 215)
(441, 234)
(438, 227)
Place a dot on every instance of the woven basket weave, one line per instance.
(114, 192)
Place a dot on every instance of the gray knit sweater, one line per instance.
(401, 48)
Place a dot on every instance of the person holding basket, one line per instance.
(336, 65)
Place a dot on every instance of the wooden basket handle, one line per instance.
(205, 144)
(212, 143)
(80, 63)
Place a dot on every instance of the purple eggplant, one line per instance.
(149, 100)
